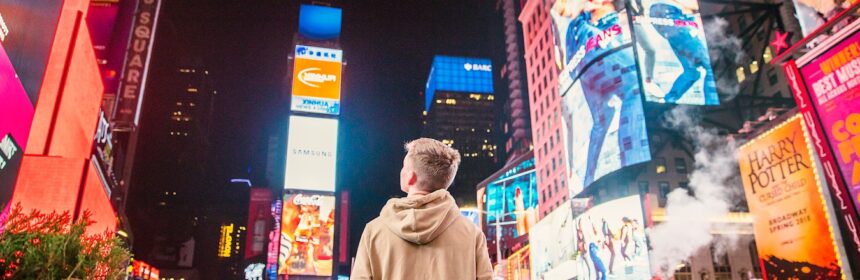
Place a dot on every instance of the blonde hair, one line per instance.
(435, 163)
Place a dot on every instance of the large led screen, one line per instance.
(812, 14)
(27, 32)
(17, 115)
(319, 22)
(553, 246)
(784, 194)
(605, 242)
(673, 55)
(307, 235)
(832, 80)
(512, 199)
(311, 154)
(604, 122)
(317, 80)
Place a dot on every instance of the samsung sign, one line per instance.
(311, 154)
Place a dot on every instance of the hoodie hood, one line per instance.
(420, 219)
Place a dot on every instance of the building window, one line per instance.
(741, 73)
(686, 186)
(684, 272)
(681, 165)
(664, 193)
(722, 268)
(643, 188)
(773, 79)
(755, 260)
(660, 165)
(768, 55)
(754, 67)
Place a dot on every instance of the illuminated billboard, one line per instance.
(674, 63)
(519, 264)
(317, 80)
(473, 215)
(553, 246)
(783, 191)
(812, 14)
(832, 80)
(258, 221)
(27, 31)
(225, 243)
(458, 74)
(512, 199)
(14, 126)
(307, 235)
(274, 241)
(608, 239)
(319, 22)
(311, 154)
(599, 88)
(133, 79)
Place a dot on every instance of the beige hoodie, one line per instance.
(422, 238)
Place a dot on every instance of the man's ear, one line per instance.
(413, 178)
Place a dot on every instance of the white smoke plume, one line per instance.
(714, 185)
(724, 46)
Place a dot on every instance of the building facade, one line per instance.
(544, 105)
(459, 111)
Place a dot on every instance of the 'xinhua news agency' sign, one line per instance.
(133, 81)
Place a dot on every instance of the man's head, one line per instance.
(428, 166)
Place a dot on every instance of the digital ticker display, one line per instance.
(674, 63)
(602, 114)
(317, 80)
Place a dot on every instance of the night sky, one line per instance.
(388, 47)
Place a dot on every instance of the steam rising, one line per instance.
(714, 186)
(724, 48)
(714, 183)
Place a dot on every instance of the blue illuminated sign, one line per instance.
(319, 22)
(459, 74)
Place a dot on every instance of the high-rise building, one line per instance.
(515, 122)
(310, 185)
(173, 185)
(545, 105)
(742, 57)
(458, 111)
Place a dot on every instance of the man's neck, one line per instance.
(415, 193)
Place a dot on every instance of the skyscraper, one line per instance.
(459, 112)
(545, 105)
(515, 122)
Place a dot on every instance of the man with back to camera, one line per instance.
(423, 236)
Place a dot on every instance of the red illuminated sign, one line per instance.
(258, 222)
(133, 82)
